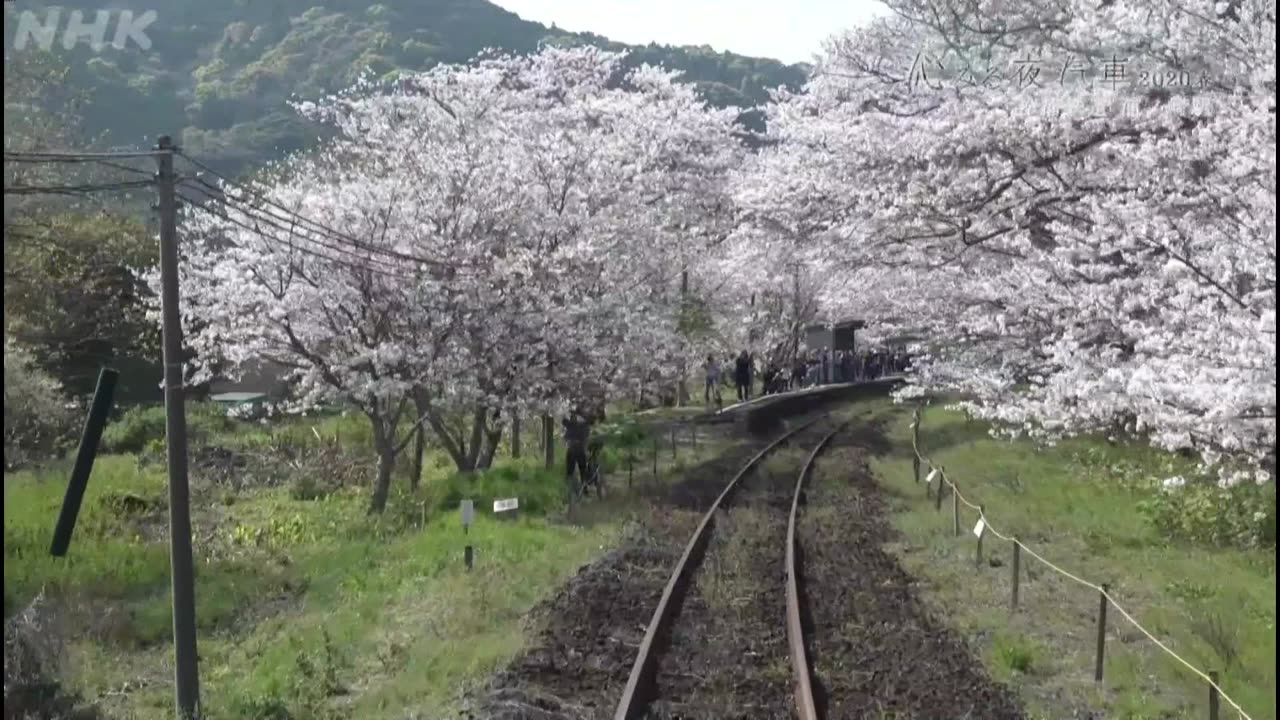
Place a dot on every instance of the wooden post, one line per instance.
(631, 466)
(977, 559)
(1213, 695)
(937, 496)
(673, 442)
(515, 435)
(655, 457)
(103, 397)
(1102, 632)
(955, 511)
(1017, 563)
(915, 468)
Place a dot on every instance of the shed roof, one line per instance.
(236, 398)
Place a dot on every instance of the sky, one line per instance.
(790, 30)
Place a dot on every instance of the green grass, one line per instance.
(1077, 504)
(308, 608)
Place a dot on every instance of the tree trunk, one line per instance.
(549, 441)
(492, 439)
(515, 436)
(419, 447)
(384, 444)
(477, 440)
(456, 447)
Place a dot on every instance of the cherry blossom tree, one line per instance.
(1085, 249)
(478, 241)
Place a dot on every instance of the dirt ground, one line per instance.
(728, 656)
(876, 652)
(581, 657)
(874, 649)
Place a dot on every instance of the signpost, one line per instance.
(506, 508)
(468, 515)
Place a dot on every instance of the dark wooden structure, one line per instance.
(836, 336)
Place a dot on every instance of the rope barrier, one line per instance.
(939, 472)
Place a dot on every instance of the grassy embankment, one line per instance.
(307, 607)
(1083, 505)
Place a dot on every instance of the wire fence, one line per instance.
(1106, 599)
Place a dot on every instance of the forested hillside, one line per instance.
(222, 71)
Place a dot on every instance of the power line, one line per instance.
(256, 229)
(76, 189)
(282, 224)
(293, 214)
(68, 156)
(252, 220)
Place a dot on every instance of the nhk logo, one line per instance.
(43, 30)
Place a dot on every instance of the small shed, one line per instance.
(230, 400)
(836, 336)
(258, 377)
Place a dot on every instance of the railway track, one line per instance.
(643, 688)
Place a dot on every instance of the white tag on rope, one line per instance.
(981, 526)
(933, 474)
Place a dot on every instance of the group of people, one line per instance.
(809, 369)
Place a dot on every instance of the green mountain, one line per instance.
(219, 73)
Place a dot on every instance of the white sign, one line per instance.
(977, 529)
(468, 512)
(932, 474)
(505, 505)
(44, 32)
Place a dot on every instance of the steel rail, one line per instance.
(806, 707)
(632, 700)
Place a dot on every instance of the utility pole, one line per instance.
(795, 305)
(181, 567)
(682, 390)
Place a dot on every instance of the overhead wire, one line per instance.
(316, 225)
(254, 223)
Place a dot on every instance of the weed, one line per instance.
(1188, 590)
(1221, 635)
(1015, 654)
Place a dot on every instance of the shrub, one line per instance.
(1016, 655)
(136, 428)
(139, 427)
(38, 420)
(1202, 512)
(540, 490)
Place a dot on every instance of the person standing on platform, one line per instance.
(742, 376)
(712, 390)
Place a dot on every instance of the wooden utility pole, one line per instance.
(182, 571)
(682, 390)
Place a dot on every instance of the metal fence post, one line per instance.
(1017, 566)
(1102, 632)
(1213, 695)
(955, 511)
(981, 515)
